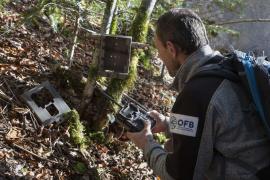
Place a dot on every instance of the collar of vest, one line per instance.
(191, 65)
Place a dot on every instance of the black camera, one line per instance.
(132, 117)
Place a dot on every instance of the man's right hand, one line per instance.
(161, 122)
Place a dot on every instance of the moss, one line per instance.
(80, 168)
(117, 86)
(144, 58)
(76, 128)
(3, 3)
(98, 137)
(114, 23)
(69, 79)
(140, 27)
(92, 73)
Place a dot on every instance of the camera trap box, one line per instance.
(46, 103)
(114, 56)
(132, 118)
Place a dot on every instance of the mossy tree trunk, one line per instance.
(114, 23)
(108, 16)
(117, 86)
(92, 74)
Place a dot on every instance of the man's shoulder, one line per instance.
(196, 95)
(201, 87)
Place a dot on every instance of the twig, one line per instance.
(121, 134)
(14, 96)
(4, 96)
(33, 154)
(242, 21)
(4, 118)
(34, 121)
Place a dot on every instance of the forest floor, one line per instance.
(30, 55)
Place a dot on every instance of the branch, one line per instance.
(33, 154)
(242, 21)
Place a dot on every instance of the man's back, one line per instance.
(240, 144)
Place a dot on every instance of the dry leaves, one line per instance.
(27, 58)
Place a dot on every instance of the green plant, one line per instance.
(97, 136)
(214, 30)
(144, 58)
(160, 137)
(80, 168)
(231, 5)
(3, 3)
(76, 128)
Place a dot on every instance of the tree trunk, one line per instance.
(74, 44)
(114, 23)
(108, 16)
(140, 25)
(117, 86)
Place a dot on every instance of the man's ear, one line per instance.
(172, 49)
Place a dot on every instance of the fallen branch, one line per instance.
(4, 96)
(33, 154)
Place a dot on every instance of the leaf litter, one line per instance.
(32, 151)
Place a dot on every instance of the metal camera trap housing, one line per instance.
(114, 56)
(53, 102)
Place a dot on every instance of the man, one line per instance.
(215, 130)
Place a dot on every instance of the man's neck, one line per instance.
(181, 58)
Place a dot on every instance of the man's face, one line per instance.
(167, 56)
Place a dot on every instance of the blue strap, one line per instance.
(254, 89)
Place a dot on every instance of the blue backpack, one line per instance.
(253, 74)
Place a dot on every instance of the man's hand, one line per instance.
(161, 123)
(140, 138)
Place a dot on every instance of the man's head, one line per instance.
(179, 33)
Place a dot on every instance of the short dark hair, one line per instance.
(184, 28)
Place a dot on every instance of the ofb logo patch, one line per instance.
(183, 124)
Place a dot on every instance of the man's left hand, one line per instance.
(140, 138)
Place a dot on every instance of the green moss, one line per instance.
(114, 23)
(80, 168)
(92, 73)
(76, 128)
(144, 58)
(117, 86)
(140, 27)
(98, 137)
(3, 3)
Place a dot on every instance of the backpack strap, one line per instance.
(250, 75)
(218, 66)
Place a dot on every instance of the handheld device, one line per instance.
(131, 115)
